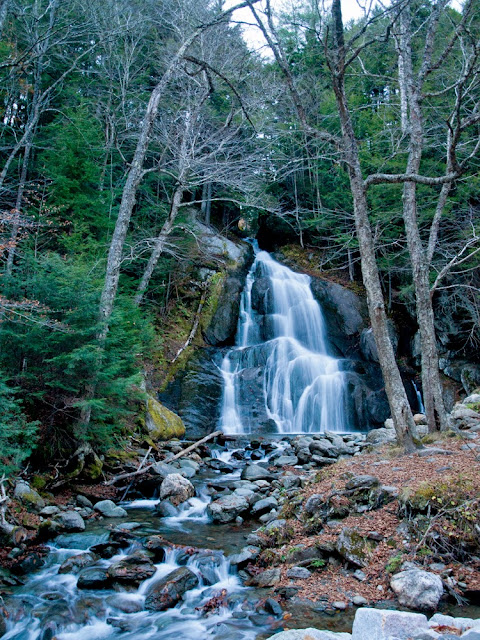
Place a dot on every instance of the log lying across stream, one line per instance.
(141, 469)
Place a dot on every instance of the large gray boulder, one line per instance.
(71, 521)
(28, 496)
(109, 509)
(255, 472)
(169, 590)
(133, 569)
(376, 624)
(417, 589)
(177, 489)
(351, 546)
(227, 508)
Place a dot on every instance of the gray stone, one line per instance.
(74, 564)
(93, 578)
(28, 496)
(268, 578)
(462, 624)
(381, 436)
(323, 447)
(283, 461)
(359, 575)
(246, 555)
(430, 634)
(82, 501)
(472, 634)
(109, 509)
(255, 472)
(376, 624)
(49, 510)
(71, 521)
(176, 488)
(298, 573)
(165, 509)
(227, 508)
(132, 570)
(359, 601)
(351, 546)
(362, 482)
(417, 589)
(169, 590)
(262, 506)
(474, 398)
(313, 504)
(290, 482)
(310, 634)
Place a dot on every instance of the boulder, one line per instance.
(28, 496)
(362, 482)
(381, 436)
(227, 508)
(71, 521)
(351, 546)
(74, 564)
(133, 569)
(177, 489)
(169, 590)
(417, 589)
(310, 634)
(313, 504)
(265, 505)
(109, 509)
(268, 578)
(376, 624)
(298, 573)
(162, 424)
(246, 555)
(254, 472)
(93, 578)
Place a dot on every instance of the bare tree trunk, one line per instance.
(431, 383)
(160, 243)
(397, 397)
(206, 207)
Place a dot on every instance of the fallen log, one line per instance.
(140, 470)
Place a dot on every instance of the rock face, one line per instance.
(227, 508)
(222, 328)
(177, 489)
(417, 589)
(376, 624)
(168, 591)
(162, 424)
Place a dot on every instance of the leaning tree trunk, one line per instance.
(160, 243)
(397, 397)
(431, 384)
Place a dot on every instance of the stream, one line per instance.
(51, 605)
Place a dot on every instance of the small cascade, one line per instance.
(280, 377)
(421, 406)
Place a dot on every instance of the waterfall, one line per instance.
(421, 408)
(279, 376)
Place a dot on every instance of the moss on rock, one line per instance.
(162, 424)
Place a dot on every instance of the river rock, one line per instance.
(254, 472)
(177, 489)
(283, 461)
(71, 521)
(74, 564)
(169, 590)
(133, 569)
(28, 496)
(323, 447)
(227, 508)
(93, 578)
(165, 509)
(351, 546)
(417, 589)
(268, 578)
(311, 634)
(109, 509)
(264, 505)
(246, 555)
(376, 624)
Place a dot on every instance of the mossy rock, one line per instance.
(162, 424)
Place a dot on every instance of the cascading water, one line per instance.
(279, 375)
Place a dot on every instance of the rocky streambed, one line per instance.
(243, 539)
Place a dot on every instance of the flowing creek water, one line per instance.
(51, 605)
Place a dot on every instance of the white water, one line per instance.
(282, 356)
(421, 407)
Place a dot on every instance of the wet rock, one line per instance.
(93, 578)
(255, 472)
(133, 569)
(165, 509)
(177, 489)
(169, 590)
(74, 564)
(273, 607)
(417, 589)
(361, 482)
(109, 509)
(223, 325)
(298, 573)
(124, 604)
(351, 546)
(312, 634)
(157, 545)
(376, 624)
(71, 521)
(209, 564)
(268, 578)
(105, 549)
(28, 496)
(31, 562)
(263, 506)
(246, 555)
(227, 508)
